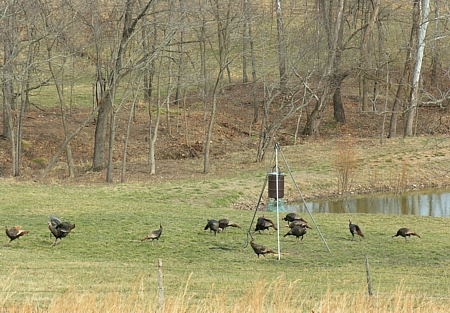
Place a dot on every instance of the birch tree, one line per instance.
(414, 98)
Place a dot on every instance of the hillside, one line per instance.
(234, 146)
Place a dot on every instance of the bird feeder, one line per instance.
(276, 190)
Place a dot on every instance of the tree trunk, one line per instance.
(313, 121)
(67, 140)
(7, 82)
(106, 102)
(125, 144)
(112, 135)
(153, 133)
(212, 117)
(435, 46)
(245, 39)
(414, 100)
(209, 134)
(60, 91)
(281, 49)
(406, 72)
(339, 114)
(13, 139)
(366, 55)
(331, 74)
(8, 104)
(178, 91)
(99, 161)
(254, 78)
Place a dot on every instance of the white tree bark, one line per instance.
(425, 5)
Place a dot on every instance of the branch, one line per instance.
(68, 139)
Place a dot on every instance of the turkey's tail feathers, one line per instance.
(415, 234)
(359, 232)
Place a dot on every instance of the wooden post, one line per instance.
(160, 285)
(369, 282)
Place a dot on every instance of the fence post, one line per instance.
(369, 282)
(160, 285)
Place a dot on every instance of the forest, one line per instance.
(298, 63)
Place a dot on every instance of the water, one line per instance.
(431, 202)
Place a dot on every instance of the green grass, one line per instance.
(104, 254)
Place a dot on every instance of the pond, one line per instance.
(430, 202)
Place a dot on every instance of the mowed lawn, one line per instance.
(104, 254)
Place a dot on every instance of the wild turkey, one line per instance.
(59, 229)
(298, 223)
(154, 235)
(213, 225)
(297, 231)
(290, 217)
(15, 232)
(354, 229)
(260, 249)
(405, 232)
(263, 224)
(224, 223)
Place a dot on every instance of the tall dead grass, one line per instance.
(345, 164)
(260, 296)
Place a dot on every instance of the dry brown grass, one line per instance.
(345, 164)
(276, 296)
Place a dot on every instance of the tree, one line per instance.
(402, 85)
(331, 77)
(424, 10)
(21, 33)
(281, 48)
(115, 75)
(279, 106)
(366, 54)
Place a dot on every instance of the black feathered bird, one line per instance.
(59, 229)
(354, 229)
(15, 232)
(298, 223)
(213, 225)
(263, 224)
(290, 217)
(297, 231)
(224, 223)
(154, 235)
(260, 249)
(405, 232)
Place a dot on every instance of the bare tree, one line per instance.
(367, 53)
(331, 77)
(403, 82)
(414, 98)
(435, 55)
(181, 56)
(60, 91)
(287, 103)
(21, 33)
(153, 129)
(127, 135)
(115, 75)
(281, 46)
(253, 62)
(8, 35)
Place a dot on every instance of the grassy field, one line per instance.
(103, 262)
